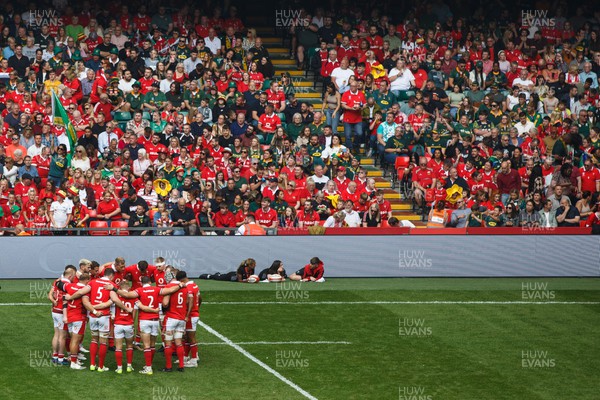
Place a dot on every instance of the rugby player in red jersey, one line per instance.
(148, 308)
(159, 272)
(55, 295)
(118, 267)
(191, 345)
(178, 307)
(100, 321)
(123, 318)
(84, 268)
(74, 314)
(136, 271)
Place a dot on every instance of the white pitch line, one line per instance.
(257, 361)
(535, 303)
(269, 343)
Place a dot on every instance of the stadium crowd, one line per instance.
(181, 122)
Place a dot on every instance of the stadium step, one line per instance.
(278, 50)
(309, 95)
(271, 41)
(408, 216)
(291, 72)
(278, 61)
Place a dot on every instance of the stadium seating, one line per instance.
(119, 228)
(99, 224)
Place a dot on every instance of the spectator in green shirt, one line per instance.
(134, 100)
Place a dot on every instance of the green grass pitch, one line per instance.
(381, 339)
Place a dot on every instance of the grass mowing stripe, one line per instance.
(257, 361)
(363, 302)
(397, 302)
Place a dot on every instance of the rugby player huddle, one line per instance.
(111, 298)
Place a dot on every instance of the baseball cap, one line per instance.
(342, 168)
(227, 149)
(273, 179)
(26, 176)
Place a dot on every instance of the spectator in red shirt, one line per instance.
(108, 209)
(590, 177)
(268, 123)
(328, 66)
(423, 179)
(307, 216)
(507, 180)
(353, 101)
(385, 207)
(224, 219)
(270, 192)
(266, 216)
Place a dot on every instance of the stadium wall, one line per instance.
(344, 256)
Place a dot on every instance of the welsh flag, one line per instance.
(61, 118)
